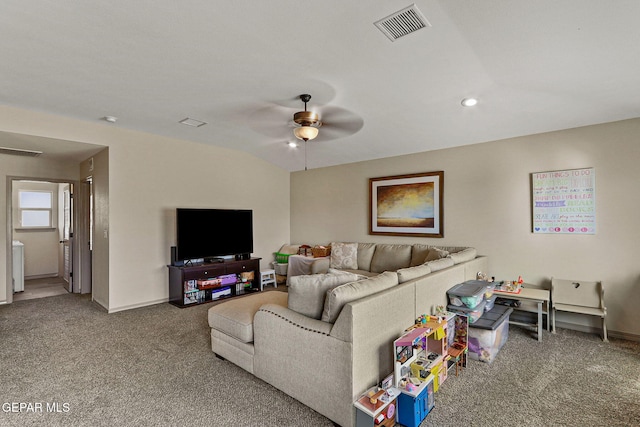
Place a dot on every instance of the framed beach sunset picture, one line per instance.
(407, 205)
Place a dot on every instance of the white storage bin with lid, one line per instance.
(468, 294)
(472, 313)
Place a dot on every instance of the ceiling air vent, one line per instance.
(19, 152)
(403, 22)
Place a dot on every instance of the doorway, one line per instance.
(42, 225)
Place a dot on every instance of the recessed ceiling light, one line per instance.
(111, 119)
(292, 144)
(469, 102)
(192, 122)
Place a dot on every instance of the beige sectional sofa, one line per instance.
(330, 338)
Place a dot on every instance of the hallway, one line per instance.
(41, 288)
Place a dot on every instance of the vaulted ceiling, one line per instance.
(534, 66)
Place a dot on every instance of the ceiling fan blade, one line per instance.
(273, 120)
(338, 122)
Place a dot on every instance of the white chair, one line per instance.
(579, 297)
(268, 277)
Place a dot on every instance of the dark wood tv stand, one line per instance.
(186, 287)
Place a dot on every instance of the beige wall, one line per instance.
(149, 176)
(96, 168)
(487, 204)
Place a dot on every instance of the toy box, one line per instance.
(468, 294)
(488, 335)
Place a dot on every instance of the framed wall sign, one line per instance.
(564, 201)
(407, 205)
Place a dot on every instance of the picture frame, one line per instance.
(564, 201)
(407, 205)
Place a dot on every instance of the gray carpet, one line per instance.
(153, 367)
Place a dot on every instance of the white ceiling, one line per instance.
(535, 66)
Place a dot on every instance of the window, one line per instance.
(35, 208)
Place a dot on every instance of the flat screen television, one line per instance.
(212, 233)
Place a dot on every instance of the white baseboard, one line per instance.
(132, 306)
(598, 331)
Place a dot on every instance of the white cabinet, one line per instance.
(18, 266)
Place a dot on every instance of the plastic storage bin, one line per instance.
(472, 313)
(282, 258)
(488, 293)
(469, 293)
(488, 335)
(280, 268)
(490, 303)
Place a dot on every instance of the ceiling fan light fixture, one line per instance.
(308, 120)
(306, 133)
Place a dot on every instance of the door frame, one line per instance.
(9, 224)
(84, 212)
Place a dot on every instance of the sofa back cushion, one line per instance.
(464, 255)
(389, 257)
(365, 255)
(337, 297)
(440, 264)
(307, 293)
(410, 273)
(344, 255)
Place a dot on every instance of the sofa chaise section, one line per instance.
(232, 326)
(326, 366)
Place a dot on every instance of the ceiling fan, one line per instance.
(276, 121)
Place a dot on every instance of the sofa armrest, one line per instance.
(320, 266)
(296, 354)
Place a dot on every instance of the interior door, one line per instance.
(67, 239)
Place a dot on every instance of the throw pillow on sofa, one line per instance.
(419, 253)
(344, 256)
(307, 292)
(344, 294)
(435, 254)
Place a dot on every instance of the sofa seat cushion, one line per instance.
(235, 317)
(389, 257)
(344, 294)
(307, 293)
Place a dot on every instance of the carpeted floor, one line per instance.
(153, 366)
